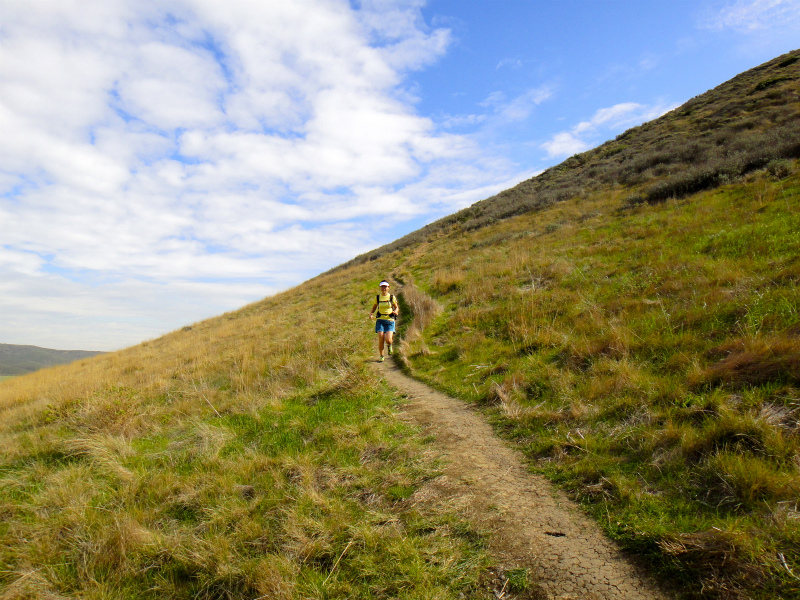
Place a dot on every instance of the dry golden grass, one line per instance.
(423, 310)
(447, 280)
(749, 362)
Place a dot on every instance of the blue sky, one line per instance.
(165, 161)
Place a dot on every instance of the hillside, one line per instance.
(18, 359)
(630, 320)
(648, 360)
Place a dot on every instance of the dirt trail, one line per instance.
(533, 525)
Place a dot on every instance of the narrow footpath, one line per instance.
(532, 524)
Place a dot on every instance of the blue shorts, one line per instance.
(384, 325)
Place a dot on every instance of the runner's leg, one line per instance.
(381, 336)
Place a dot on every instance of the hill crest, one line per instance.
(742, 125)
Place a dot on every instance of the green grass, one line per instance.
(647, 360)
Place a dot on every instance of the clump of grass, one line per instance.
(745, 483)
(749, 362)
(518, 579)
(448, 280)
(723, 559)
(418, 312)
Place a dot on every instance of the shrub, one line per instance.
(789, 61)
(780, 168)
(685, 183)
(768, 83)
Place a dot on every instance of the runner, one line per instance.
(388, 311)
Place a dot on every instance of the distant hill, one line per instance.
(18, 360)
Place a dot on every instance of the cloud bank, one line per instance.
(164, 161)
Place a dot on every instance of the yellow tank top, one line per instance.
(384, 306)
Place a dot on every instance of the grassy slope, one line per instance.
(649, 360)
(252, 455)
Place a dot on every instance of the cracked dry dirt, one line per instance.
(532, 524)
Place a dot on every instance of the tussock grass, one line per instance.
(419, 311)
(446, 280)
(751, 362)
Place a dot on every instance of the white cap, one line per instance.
(384, 282)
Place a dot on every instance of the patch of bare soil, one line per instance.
(532, 525)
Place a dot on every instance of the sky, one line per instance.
(166, 161)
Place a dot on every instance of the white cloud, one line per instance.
(504, 110)
(172, 88)
(564, 144)
(616, 115)
(755, 15)
(463, 121)
(44, 309)
(495, 99)
(604, 122)
(509, 62)
(520, 108)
